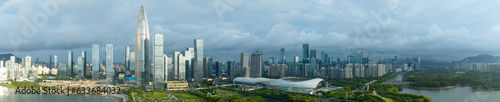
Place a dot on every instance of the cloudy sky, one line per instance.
(431, 29)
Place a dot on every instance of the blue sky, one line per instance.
(443, 30)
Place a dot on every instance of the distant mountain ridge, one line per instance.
(6, 57)
(483, 58)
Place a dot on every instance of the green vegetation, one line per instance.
(439, 78)
(21, 84)
(392, 92)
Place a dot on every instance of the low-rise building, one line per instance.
(176, 85)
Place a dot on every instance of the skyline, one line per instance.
(414, 29)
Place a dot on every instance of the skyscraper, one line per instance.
(282, 57)
(244, 65)
(50, 65)
(175, 68)
(109, 62)
(231, 69)
(95, 61)
(142, 58)
(70, 63)
(198, 60)
(158, 62)
(55, 61)
(181, 67)
(81, 67)
(305, 53)
(296, 59)
(132, 62)
(61, 70)
(207, 67)
(167, 66)
(127, 58)
(189, 57)
(218, 69)
(84, 61)
(256, 68)
(312, 54)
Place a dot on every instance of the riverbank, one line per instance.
(432, 88)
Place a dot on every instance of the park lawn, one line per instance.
(186, 96)
(385, 99)
(411, 76)
(156, 95)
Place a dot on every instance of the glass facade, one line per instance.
(142, 56)
(158, 62)
(256, 64)
(198, 60)
(80, 70)
(70, 63)
(61, 71)
(305, 53)
(84, 61)
(127, 58)
(95, 61)
(109, 62)
(207, 67)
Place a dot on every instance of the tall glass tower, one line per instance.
(158, 62)
(198, 60)
(142, 56)
(244, 65)
(127, 58)
(95, 61)
(80, 68)
(305, 53)
(70, 63)
(282, 57)
(109, 62)
(84, 65)
(256, 64)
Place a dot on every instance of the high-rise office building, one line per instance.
(231, 69)
(256, 64)
(312, 56)
(189, 57)
(158, 62)
(127, 58)
(109, 62)
(181, 67)
(55, 61)
(175, 60)
(296, 59)
(305, 53)
(198, 60)
(50, 65)
(80, 70)
(167, 66)
(95, 61)
(218, 69)
(84, 66)
(142, 56)
(132, 62)
(70, 63)
(61, 70)
(282, 57)
(207, 67)
(244, 65)
(27, 62)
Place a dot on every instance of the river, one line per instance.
(8, 95)
(457, 94)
